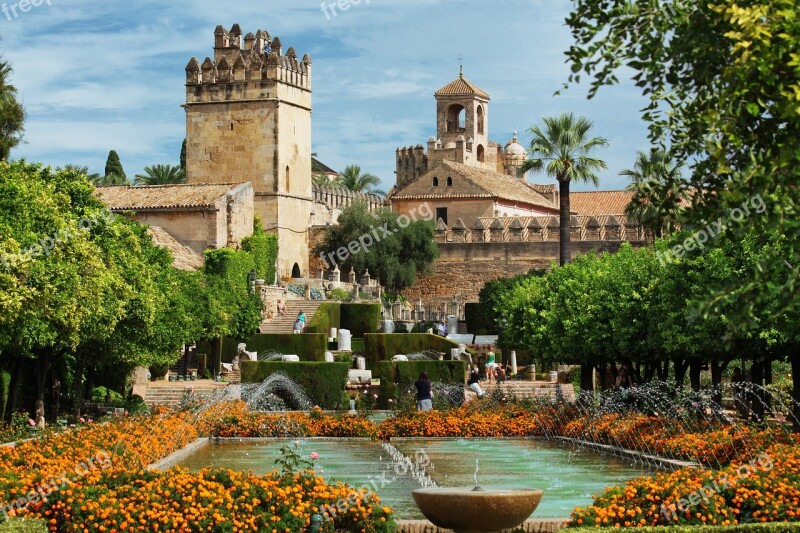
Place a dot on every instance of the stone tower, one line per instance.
(462, 134)
(248, 118)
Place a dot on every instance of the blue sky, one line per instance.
(96, 75)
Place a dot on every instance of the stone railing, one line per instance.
(539, 229)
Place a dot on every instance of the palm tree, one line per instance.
(12, 114)
(321, 180)
(563, 150)
(352, 178)
(82, 170)
(659, 196)
(160, 175)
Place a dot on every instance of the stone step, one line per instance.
(285, 323)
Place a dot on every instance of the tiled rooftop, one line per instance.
(125, 197)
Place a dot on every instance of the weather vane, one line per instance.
(460, 65)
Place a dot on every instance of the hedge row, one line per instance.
(402, 375)
(308, 346)
(324, 383)
(383, 346)
(359, 319)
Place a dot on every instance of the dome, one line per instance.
(514, 148)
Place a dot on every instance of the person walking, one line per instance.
(424, 394)
(473, 382)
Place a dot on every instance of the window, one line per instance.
(287, 178)
(480, 120)
(449, 181)
(481, 155)
(441, 212)
(455, 118)
(295, 271)
(435, 181)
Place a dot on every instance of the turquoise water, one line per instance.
(568, 477)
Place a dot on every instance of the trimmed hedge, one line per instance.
(324, 383)
(357, 318)
(308, 346)
(5, 382)
(774, 527)
(403, 374)
(383, 346)
(327, 316)
(360, 319)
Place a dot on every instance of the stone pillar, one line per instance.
(513, 362)
(345, 341)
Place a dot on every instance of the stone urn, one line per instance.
(477, 509)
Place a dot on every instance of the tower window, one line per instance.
(287, 178)
(455, 118)
(480, 120)
(231, 126)
(481, 154)
(449, 181)
(435, 181)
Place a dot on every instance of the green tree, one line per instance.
(396, 251)
(160, 175)
(659, 194)
(321, 180)
(563, 150)
(114, 173)
(352, 178)
(81, 170)
(722, 79)
(12, 114)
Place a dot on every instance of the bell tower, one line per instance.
(462, 118)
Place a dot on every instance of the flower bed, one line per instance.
(766, 489)
(293, 424)
(94, 479)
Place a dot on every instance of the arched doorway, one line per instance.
(296, 271)
(455, 118)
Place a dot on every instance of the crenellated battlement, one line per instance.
(243, 66)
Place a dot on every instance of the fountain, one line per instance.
(427, 355)
(276, 393)
(473, 509)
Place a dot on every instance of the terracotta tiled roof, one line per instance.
(182, 257)
(599, 202)
(135, 198)
(461, 86)
(471, 182)
(543, 189)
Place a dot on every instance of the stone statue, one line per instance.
(243, 355)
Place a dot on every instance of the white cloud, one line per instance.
(96, 75)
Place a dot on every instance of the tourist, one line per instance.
(500, 374)
(441, 329)
(281, 307)
(473, 382)
(624, 378)
(301, 316)
(424, 393)
(491, 366)
(298, 326)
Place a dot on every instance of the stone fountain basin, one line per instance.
(465, 509)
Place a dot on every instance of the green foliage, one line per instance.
(324, 383)
(383, 346)
(263, 247)
(12, 114)
(183, 156)
(308, 346)
(563, 150)
(394, 259)
(360, 319)
(23, 525)
(114, 170)
(478, 319)
(397, 377)
(722, 79)
(99, 395)
(327, 316)
(352, 178)
(658, 201)
(339, 295)
(160, 175)
(5, 382)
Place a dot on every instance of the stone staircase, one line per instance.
(529, 389)
(285, 323)
(171, 392)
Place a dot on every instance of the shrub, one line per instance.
(324, 383)
(99, 395)
(360, 319)
(308, 346)
(384, 346)
(327, 316)
(397, 377)
(339, 295)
